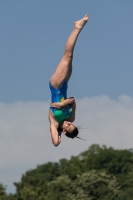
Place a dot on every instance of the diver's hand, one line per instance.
(68, 101)
(57, 105)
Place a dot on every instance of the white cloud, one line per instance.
(25, 138)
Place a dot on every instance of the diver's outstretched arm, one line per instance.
(56, 138)
(55, 134)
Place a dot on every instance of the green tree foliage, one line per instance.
(91, 185)
(113, 161)
(126, 182)
(2, 192)
(4, 196)
(100, 173)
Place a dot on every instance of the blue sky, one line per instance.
(32, 40)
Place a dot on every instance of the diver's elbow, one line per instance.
(56, 143)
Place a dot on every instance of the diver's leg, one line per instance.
(64, 69)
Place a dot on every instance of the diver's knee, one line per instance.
(68, 55)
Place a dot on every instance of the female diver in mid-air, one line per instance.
(62, 109)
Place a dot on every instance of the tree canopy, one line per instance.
(99, 173)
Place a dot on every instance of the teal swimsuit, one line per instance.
(59, 95)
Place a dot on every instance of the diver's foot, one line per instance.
(80, 23)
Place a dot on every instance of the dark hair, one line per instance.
(72, 134)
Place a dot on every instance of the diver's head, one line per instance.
(69, 129)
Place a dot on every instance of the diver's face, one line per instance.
(67, 127)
